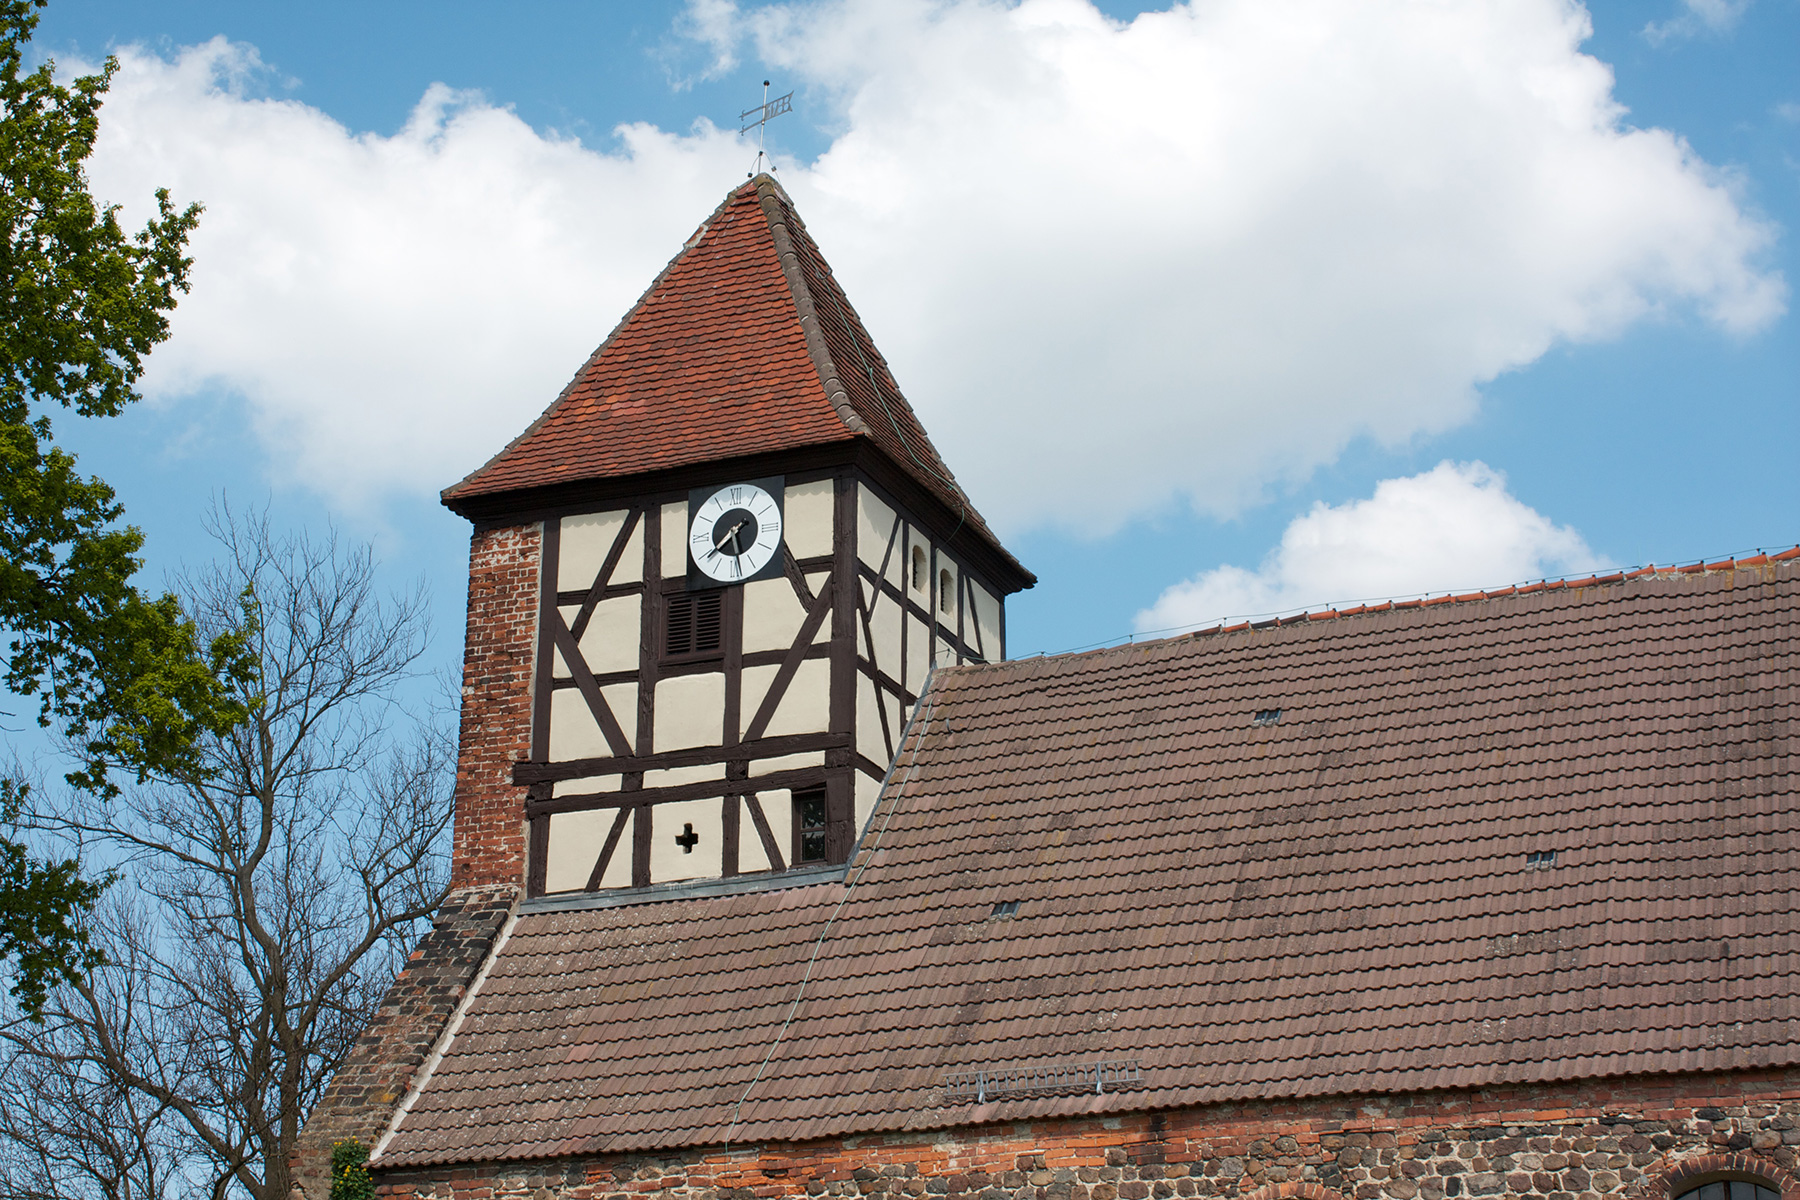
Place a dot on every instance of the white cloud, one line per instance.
(1696, 17)
(1115, 265)
(393, 309)
(1453, 529)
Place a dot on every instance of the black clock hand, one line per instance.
(730, 536)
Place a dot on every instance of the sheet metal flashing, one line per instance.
(660, 893)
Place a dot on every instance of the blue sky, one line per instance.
(1467, 415)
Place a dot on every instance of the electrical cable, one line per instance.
(1327, 606)
(849, 886)
(962, 502)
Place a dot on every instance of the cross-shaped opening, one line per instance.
(687, 839)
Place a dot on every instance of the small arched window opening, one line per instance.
(921, 569)
(946, 592)
(1732, 1189)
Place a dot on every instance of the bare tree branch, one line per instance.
(267, 897)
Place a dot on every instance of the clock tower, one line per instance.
(707, 586)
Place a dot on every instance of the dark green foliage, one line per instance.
(39, 906)
(350, 1172)
(122, 675)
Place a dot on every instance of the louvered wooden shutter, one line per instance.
(696, 624)
(708, 620)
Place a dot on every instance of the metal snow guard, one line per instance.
(978, 1087)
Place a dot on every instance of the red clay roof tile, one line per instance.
(1335, 904)
(745, 344)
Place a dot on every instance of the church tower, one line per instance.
(706, 587)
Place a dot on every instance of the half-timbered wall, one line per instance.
(918, 607)
(648, 767)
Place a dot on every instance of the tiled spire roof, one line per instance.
(745, 344)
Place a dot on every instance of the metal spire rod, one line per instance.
(762, 114)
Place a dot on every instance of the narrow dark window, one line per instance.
(695, 621)
(809, 826)
(921, 569)
(1730, 1189)
(946, 594)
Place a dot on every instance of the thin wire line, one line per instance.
(962, 502)
(1327, 605)
(912, 772)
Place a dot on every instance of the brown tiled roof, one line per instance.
(745, 344)
(1334, 904)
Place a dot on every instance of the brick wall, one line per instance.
(498, 655)
(381, 1067)
(1633, 1140)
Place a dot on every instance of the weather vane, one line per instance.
(758, 119)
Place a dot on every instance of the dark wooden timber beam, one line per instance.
(700, 756)
(706, 789)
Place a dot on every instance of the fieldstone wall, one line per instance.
(1631, 1140)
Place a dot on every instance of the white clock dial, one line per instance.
(735, 532)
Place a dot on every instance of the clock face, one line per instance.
(734, 532)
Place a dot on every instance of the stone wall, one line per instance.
(1632, 1139)
(364, 1093)
(498, 653)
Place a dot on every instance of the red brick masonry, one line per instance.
(496, 705)
(1645, 1138)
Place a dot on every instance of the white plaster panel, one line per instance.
(669, 861)
(786, 762)
(869, 742)
(918, 653)
(778, 807)
(559, 667)
(690, 711)
(804, 708)
(806, 512)
(576, 840)
(611, 640)
(817, 583)
(670, 776)
(863, 648)
(874, 522)
(898, 711)
(573, 731)
(772, 615)
(755, 686)
(987, 615)
(584, 787)
(674, 540)
(581, 553)
(884, 623)
(618, 870)
(622, 699)
(631, 558)
(867, 792)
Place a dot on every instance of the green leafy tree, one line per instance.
(122, 675)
